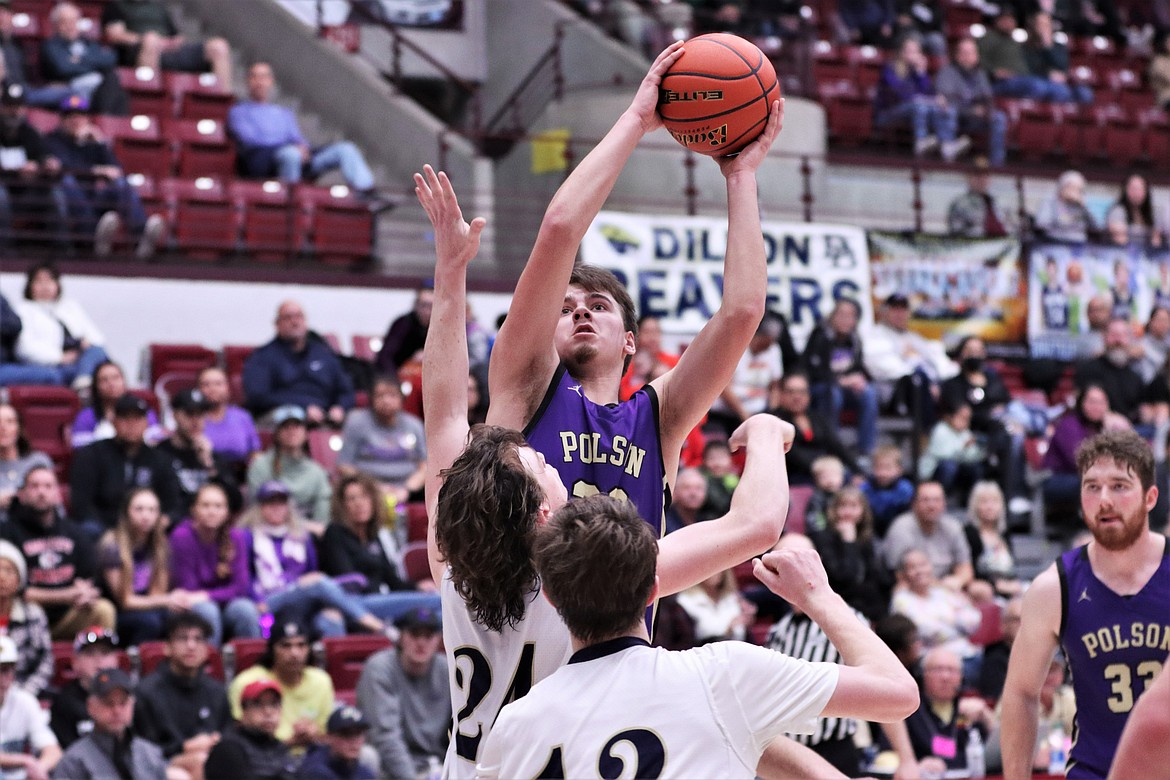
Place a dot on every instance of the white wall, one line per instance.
(136, 312)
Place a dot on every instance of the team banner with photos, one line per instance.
(673, 267)
(1063, 277)
(956, 287)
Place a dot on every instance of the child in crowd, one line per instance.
(719, 470)
(887, 489)
(954, 456)
(828, 477)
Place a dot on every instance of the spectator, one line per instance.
(650, 360)
(1047, 58)
(887, 489)
(385, 442)
(1004, 56)
(249, 748)
(192, 456)
(901, 636)
(94, 649)
(13, 372)
(96, 421)
(990, 551)
(849, 551)
(306, 691)
(967, 89)
(62, 583)
(975, 214)
(404, 339)
(1064, 216)
(928, 527)
(29, 749)
(136, 563)
(906, 366)
(338, 758)
(1158, 74)
(215, 567)
(269, 142)
(146, 37)
(1112, 373)
(28, 190)
(953, 457)
(84, 64)
(362, 539)
(1155, 343)
(25, 622)
(688, 499)
(1088, 417)
(105, 470)
(404, 694)
(924, 21)
(717, 608)
(868, 22)
(15, 68)
(297, 368)
(828, 474)
(834, 359)
(757, 372)
(940, 728)
(97, 193)
(231, 430)
(288, 460)
(56, 331)
(993, 670)
(285, 579)
(906, 97)
(16, 457)
(945, 618)
(111, 749)
(1058, 709)
(1155, 406)
(719, 471)
(815, 436)
(181, 708)
(1131, 219)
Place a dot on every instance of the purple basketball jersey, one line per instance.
(1115, 645)
(603, 449)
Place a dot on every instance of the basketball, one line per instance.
(715, 98)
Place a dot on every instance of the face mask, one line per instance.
(972, 364)
(1118, 356)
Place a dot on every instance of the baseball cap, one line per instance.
(94, 635)
(8, 654)
(272, 489)
(347, 718)
(109, 680)
(130, 405)
(74, 104)
(254, 690)
(420, 619)
(12, 95)
(287, 413)
(897, 299)
(288, 629)
(190, 401)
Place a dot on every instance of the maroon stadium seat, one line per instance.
(198, 96)
(346, 656)
(340, 227)
(146, 91)
(138, 144)
(179, 358)
(203, 147)
(205, 223)
(268, 217)
(47, 413)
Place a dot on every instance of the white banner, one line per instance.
(673, 267)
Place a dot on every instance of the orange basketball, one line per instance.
(715, 98)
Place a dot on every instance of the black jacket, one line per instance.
(828, 356)
(172, 709)
(10, 326)
(247, 754)
(103, 472)
(56, 556)
(342, 552)
(68, 716)
(192, 475)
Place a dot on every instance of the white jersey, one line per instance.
(624, 708)
(488, 669)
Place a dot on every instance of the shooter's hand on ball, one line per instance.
(754, 153)
(645, 104)
(456, 241)
(759, 426)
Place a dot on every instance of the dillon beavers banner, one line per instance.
(673, 267)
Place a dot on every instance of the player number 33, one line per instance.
(1122, 683)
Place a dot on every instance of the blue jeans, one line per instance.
(239, 617)
(86, 362)
(925, 117)
(995, 124)
(27, 374)
(86, 202)
(342, 155)
(388, 607)
(47, 97)
(136, 626)
(1037, 88)
(831, 399)
(306, 602)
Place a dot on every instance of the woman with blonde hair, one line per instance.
(135, 557)
(990, 552)
(717, 608)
